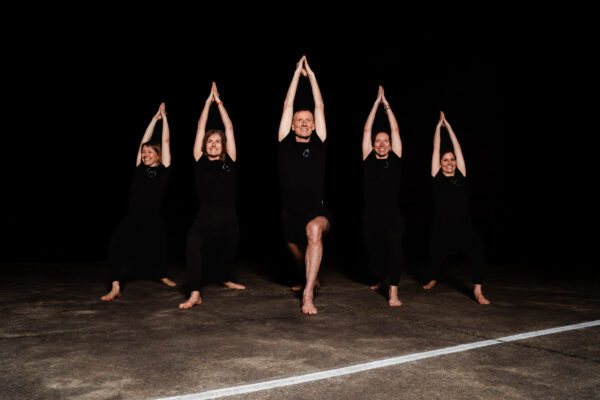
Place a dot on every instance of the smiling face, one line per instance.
(303, 124)
(214, 146)
(150, 157)
(448, 164)
(382, 145)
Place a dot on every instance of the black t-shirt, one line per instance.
(215, 182)
(301, 173)
(148, 188)
(381, 181)
(451, 196)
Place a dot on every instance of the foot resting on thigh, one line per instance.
(114, 292)
(300, 286)
(430, 285)
(479, 295)
(192, 301)
(394, 301)
(375, 286)
(168, 282)
(233, 285)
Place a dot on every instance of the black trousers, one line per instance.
(211, 245)
(383, 232)
(137, 248)
(455, 237)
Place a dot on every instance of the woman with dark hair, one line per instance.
(383, 224)
(452, 229)
(212, 240)
(140, 239)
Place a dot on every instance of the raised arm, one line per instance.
(435, 157)
(147, 135)
(460, 160)
(285, 125)
(202, 125)
(367, 144)
(231, 150)
(320, 126)
(166, 138)
(395, 130)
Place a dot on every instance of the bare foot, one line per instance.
(394, 300)
(307, 305)
(479, 295)
(430, 285)
(300, 286)
(375, 287)
(233, 285)
(114, 292)
(168, 282)
(192, 301)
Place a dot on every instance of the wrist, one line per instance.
(219, 102)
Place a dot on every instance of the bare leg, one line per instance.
(192, 301)
(430, 285)
(168, 282)
(314, 254)
(114, 292)
(479, 295)
(394, 301)
(233, 285)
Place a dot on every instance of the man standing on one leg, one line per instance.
(301, 162)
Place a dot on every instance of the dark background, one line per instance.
(82, 92)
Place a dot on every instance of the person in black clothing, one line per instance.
(301, 163)
(140, 239)
(213, 238)
(383, 224)
(452, 229)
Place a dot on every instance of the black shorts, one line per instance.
(294, 226)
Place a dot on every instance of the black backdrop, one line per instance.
(82, 94)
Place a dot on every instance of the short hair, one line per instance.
(303, 110)
(154, 146)
(219, 132)
(375, 136)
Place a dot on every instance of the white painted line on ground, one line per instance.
(294, 380)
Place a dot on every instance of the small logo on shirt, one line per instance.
(226, 168)
(151, 172)
(306, 153)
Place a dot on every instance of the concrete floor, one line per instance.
(59, 341)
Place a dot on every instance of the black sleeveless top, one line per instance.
(147, 189)
(381, 181)
(301, 173)
(215, 182)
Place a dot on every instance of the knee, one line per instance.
(314, 233)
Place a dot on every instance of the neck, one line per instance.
(448, 174)
(381, 157)
(302, 139)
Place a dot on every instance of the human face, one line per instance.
(214, 146)
(303, 124)
(150, 157)
(382, 145)
(448, 164)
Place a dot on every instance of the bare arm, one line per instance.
(147, 135)
(460, 160)
(202, 125)
(395, 134)
(285, 125)
(320, 126)
(435, 157)
(367, 145)
(231, 149)
(166, 138)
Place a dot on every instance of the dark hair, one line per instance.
(375, 136)
(446, 151)
(154, 146)
(303, 110)
(219, 132)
